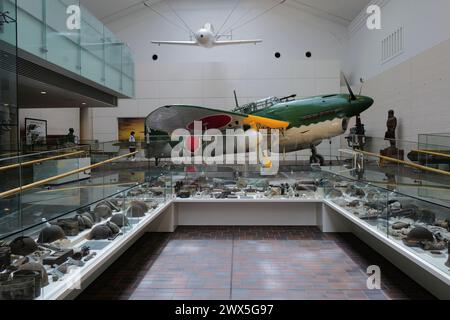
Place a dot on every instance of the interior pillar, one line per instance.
(86, 124)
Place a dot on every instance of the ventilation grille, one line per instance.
(392, 45)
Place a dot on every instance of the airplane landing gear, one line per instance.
(315, 157)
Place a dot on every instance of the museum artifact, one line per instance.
(34, 276)
(357, 137)
(33, 266)
(418, 235)
(102, 211)
(114, 227)
(105, 231)
(392, 151)
(80, 253)
(120, 220)
(70, 226)
(334, 193)
(23, 246)
(100, 232)
(85, 221)
(433, 246)
(137, 209)
(51, 233)
(5, 257)
(20, 288)
(207, 38)
(290, 116)
(443, 224)
(391, 125)
(400, 225)
(354, 191)
(58, 257)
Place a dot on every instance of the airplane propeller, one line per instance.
(352, 95)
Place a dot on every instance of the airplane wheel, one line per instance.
(317, 159)
(321, 160)
(313, 159)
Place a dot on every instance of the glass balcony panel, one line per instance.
(92, 48)
(8, 33)
(62, 43)
(31, 28)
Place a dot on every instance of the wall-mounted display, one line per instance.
(35, 131)
(127, 125)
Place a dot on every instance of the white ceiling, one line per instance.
(339, 11)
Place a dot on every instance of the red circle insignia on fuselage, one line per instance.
(213, 122)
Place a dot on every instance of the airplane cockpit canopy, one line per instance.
(257, 105)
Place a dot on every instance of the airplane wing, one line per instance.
(172, 117)
(231, 42)
(183, 43)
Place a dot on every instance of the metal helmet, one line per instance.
(23, 246)
(51, 234)
(120, 220)
(137, 209)
(103, 211)
(85, 221)
(114, 227)
(100, 232)
(70, 226)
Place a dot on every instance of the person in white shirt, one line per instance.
(132, 145)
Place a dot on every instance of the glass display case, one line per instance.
(418, 169)
(246, 184)
(419, 226)
(55, 254)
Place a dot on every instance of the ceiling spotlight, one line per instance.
(43, 92)
(83, 103)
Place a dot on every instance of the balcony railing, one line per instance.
(47, 29)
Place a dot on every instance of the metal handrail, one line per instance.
(406, 163)
(433, 153)
(60, 176)
(28, 163)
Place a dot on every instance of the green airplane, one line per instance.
(303, 123)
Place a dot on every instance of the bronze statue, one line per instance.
(391, 127)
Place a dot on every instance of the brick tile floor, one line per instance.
(250, 263)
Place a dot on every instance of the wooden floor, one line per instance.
(222, 263)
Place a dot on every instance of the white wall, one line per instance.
(59, 120)
(416, 83)
(425, 23)
(418, 90)
(207, 77)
